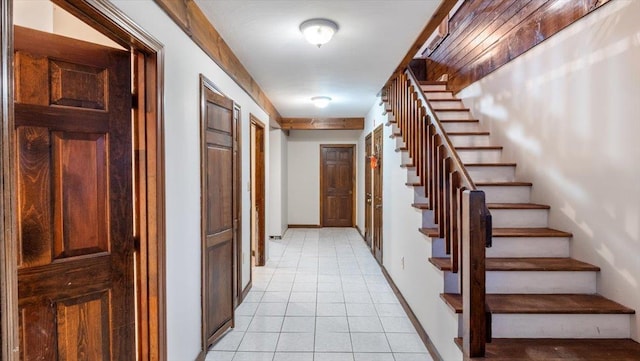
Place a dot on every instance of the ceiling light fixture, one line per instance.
(318, 31)
(321, 102)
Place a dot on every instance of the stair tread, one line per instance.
(480, 147)
(517, 206)
(430, 232)
(432, 82)
(445, 100)
(459, 121)
(529, 232)
(420, 205)
(528, 349)
(413, 184)
(452, 110)
(436, 91)
(525, 264)
(504, 184)
(544, 304)
(506, 164)
(469, 133)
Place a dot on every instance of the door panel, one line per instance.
(377, 194)
(337, 185)
(219, 223)
(74, 180)
(368, 206)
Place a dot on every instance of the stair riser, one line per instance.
(469, 140)
(462, 127)
(454, 104)
(480, 156)
(529, 247)
(546, 282)
(520, 218)
(492, 173)
(433, 87)
(443, 95)
(561, 326)
(453, 115)
(507, 194)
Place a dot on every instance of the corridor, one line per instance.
(320, 297)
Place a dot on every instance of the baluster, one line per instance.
(454, 212)
(441, 154)
(446, 202)
(436, 140)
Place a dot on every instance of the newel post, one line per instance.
(474, 241)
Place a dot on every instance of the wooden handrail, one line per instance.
(459, 208)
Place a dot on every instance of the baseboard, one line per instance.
(412, 316)
(202, 356)
(304, 226)
(245, 291)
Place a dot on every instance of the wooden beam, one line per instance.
(322, 123)
(441, 12)
(195, 24)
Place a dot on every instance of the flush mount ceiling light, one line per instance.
(318, 31)
(321, 102)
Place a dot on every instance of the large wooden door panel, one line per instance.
(368, 206)
(377, 194)
(218, 215)
(75, 215)
(337, 185)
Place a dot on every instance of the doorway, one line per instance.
(337, 182)
(377, 193)
(129, 239)
(258, 229)
(369, 163)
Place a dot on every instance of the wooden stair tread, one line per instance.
(432, 82)
(525, 264)
(459, 120)
(529, 232)
(445, 100)
(538, 349)
(414, 184)
(407, 165)
(504, 184)
(452, 110)
(481, 147)
(420, 205)
(468, 133)
(431, 232)
(436, 91)
(517, 206)
(401, 149)
(490, 164)
(544, 304)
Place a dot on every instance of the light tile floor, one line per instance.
(320, 297)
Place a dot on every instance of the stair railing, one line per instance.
(459, 208)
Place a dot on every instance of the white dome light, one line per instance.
(318, 31)
(321, 102)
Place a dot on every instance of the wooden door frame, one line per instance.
(368, 177)
(378, 129)
(148, 162)
(353, 181)
(260, 183)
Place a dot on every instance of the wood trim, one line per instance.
(245, 291)
(304, 226)
(259, 193)
(106, 18)
(353, 181)
(412, 317)
(237, 114)
(8, 225)
(434, 22)
(202, 355)
(190, 18)
(322, 123)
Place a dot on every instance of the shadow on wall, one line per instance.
(567, 112)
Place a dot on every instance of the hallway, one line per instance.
(320, 297)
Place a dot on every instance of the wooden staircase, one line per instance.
(543, 304)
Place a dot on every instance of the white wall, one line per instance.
(278, 179)
(184, 61)
(303, 164)
(419, 282)
(567, 112)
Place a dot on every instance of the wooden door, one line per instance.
(74, 181)
(377, 194)
(368, 195)
(336, 185)
(219, 222)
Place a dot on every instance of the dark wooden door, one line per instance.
(337, 181)
(368, 195)
(258, 219)
(74, 180)
(377, 194)
(219, 223)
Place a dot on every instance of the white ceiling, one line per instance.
(373, 38)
